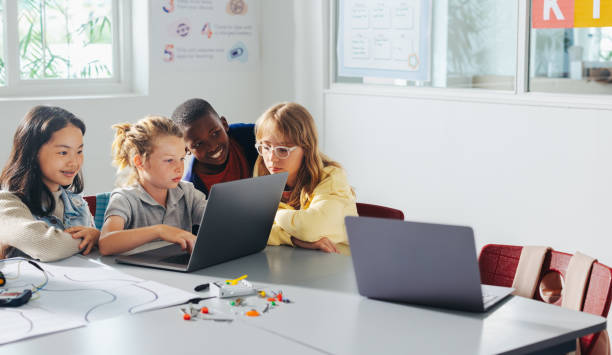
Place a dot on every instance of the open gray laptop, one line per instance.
(422, 263)
(237, 222)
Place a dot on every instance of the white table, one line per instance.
(328, 316)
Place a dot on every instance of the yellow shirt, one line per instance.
(321, 216)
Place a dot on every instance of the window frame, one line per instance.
(519, 96)
(122, 60)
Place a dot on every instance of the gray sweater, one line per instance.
(21, 230)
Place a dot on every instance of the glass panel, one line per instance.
(571, 60)
(473, 45)
(62, 39)
(2, 59)
(481, 44)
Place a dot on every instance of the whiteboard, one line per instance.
(384, 39)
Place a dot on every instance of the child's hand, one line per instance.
(89, 235)
(176, 235)
(323, 244)
(3, 250)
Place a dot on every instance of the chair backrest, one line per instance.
(498, 264)
(97, 206)
(91, 203)
(369, 210)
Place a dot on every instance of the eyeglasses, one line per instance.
(280, 151)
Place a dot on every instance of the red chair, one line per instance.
(368, 210)
(91, 203)
(498, 264)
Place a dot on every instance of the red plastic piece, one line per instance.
(498, 263)
(204, 310)
(271, 299)
(186, 316)
(279, 296)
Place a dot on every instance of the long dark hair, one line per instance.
(21, 174)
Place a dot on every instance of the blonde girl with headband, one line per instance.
(317, 196)
(154, 207)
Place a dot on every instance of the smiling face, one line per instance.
(163, 168)
(207, 139)
(277, 165)
(61, 158)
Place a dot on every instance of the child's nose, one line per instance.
(273, 157)
(179, 165)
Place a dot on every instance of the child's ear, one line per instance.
(137, 160)
(224, 123)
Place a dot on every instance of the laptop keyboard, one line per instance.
(182, 259)
(487, 297)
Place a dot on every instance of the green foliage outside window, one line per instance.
(65, 39)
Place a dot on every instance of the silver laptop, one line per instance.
(237, 222)
(422, 263)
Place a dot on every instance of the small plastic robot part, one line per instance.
(204, 310)
(186, 316)
(252, 313)
(236, 302)
(262, 294)
(242, 288)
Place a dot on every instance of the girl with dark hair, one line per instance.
(42, 213)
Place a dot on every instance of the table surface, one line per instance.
(327, 316)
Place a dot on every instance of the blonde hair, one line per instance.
(294, 124)
(138, 139)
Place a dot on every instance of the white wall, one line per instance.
(277, 53)
(517, 174)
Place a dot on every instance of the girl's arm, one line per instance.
(332, 200)
(114, 239)
(89, 237)
(21, 230)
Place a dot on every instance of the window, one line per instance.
(547, 46)
(473, 42)
(62, 47)
(571, 47)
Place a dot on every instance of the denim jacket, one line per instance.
(76, 212)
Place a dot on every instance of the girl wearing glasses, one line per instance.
(317, 196)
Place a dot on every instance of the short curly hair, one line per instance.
(192, 110)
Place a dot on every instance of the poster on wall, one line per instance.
(384, 39)
(205, 35)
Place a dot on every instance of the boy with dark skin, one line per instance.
(219, 152)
